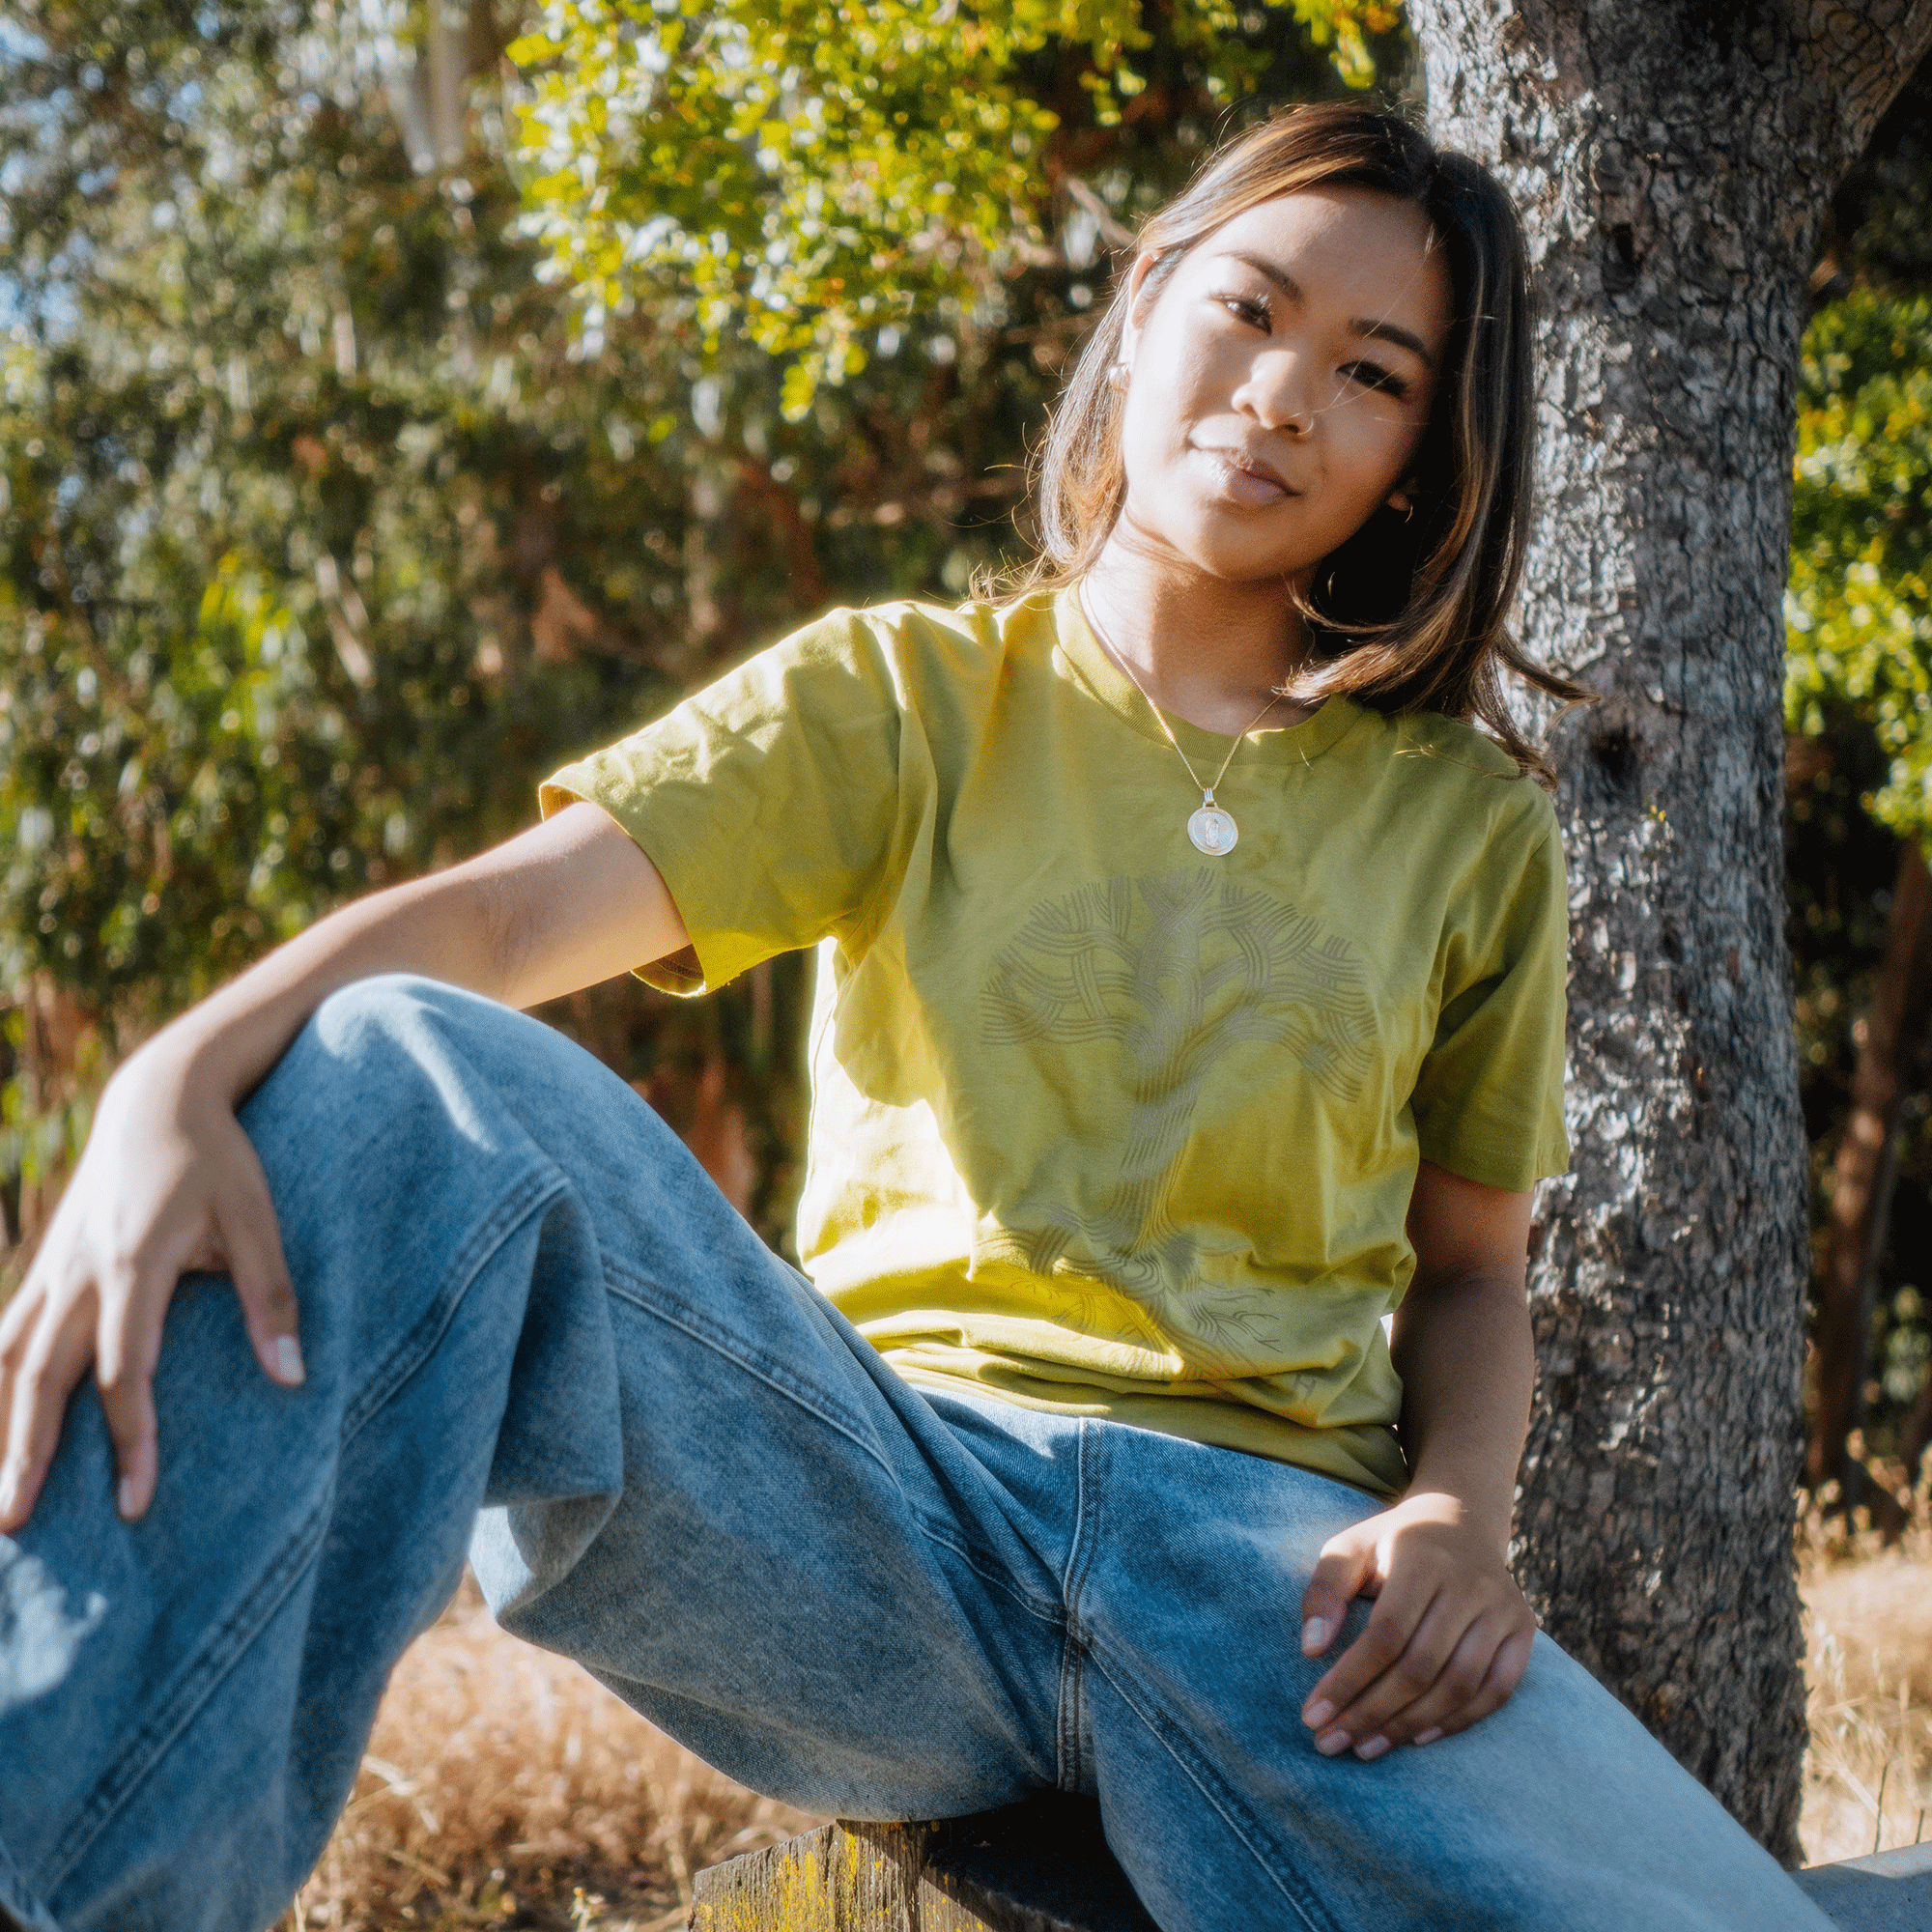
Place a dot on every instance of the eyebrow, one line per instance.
(1386, 332)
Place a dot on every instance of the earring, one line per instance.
(1408, 509)
(1117, 376)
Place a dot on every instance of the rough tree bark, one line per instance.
(1672, 159)
(1890, 1055)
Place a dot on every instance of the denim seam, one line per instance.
(22, 1904)
(1220, 1797)
(982, 1565)
(409, 1352)
(195, 1686)
(646, 1296)
(1079, 1558)
(238, 1628)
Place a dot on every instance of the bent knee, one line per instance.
(387, 1003)
(402, 1032)
(367, 1045)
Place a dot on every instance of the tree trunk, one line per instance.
(1866, 1173)
(1672, 159)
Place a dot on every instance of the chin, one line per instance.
(1226, 557)
(1227, 546)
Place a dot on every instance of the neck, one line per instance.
(1202, 648)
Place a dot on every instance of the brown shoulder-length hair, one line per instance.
(1410, 614)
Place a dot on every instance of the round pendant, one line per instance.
(1213, 830)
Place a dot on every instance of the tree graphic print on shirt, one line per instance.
(1179, 969)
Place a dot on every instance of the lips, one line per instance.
(1251, 477)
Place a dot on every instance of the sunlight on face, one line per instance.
(1280, 381)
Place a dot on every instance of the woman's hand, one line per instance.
(168, 1183)
(1448, 1640)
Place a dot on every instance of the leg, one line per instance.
(518, 1293)
(1559, 1810)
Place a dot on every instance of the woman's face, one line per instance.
(1279, 382)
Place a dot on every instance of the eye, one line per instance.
(1251, 310)
(1373, 376)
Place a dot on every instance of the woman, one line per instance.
(1190, 1000)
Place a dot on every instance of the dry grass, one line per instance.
(1868, 1666)
(505, 1787)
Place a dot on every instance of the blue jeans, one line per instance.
(536, 1332)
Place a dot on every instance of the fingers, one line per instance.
(1436, 1674)
(1459, 1662)
(1334, 1709)
(128, 1405)
(246, 1241)
(125, 1345)
(1445, 1704)
(45, 1361)
(68, 1314)
(44, 1357)
(1497, 1687)
(251, 1242)
(1345, 1570)
(168, 1182)
(15, 1324)
(15, 1318)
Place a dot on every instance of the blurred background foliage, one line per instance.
(397, 399)
(1859, 711)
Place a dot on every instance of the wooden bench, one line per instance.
(1044, 1866)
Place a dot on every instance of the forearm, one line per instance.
(438, 926)
(1463, 1349)
(564, 905)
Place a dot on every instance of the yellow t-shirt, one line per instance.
(1102, 1124)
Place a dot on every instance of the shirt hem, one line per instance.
(1106, 1409)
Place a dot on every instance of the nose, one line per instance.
(1276, 393)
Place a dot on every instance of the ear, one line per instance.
(1130, 329)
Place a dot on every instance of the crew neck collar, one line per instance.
(1093, 664)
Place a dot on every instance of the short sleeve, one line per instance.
(1489, 1099)
(767, 801)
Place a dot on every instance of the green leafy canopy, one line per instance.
(810, 171)
(1859, 608)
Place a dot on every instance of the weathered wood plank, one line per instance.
(1043, 1867)
(840, 1878)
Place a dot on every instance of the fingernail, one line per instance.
(1314, 1635)
(1428, 1736)
(1371, 1749)
(124, 1498)
(1331, 1742)
(1317, 1715)
(9, 1483)
(289, 1359)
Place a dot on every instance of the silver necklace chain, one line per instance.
(1211, 829)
